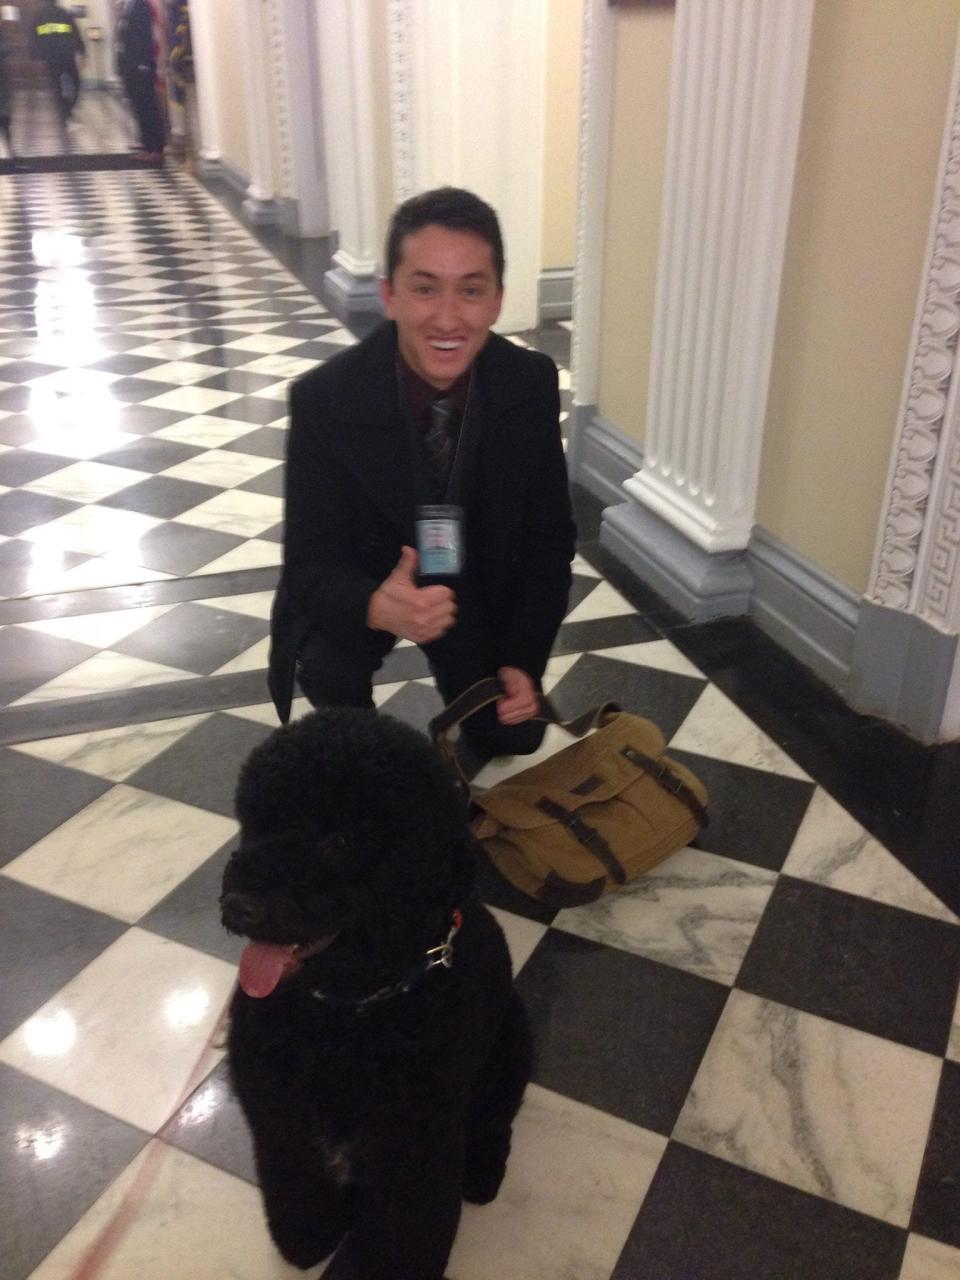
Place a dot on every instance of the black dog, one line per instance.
(376, 1045)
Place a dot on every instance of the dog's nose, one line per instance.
(240, 911)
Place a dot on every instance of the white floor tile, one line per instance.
(255, 604)
(603, 601)
(236, 511)
(929, 1260)
(832, 848)
(94, 529)
(695, 911)
(660, 654)
(224, 468)
(86, 481)
(717, 728)
(99, 629)
(255, 553)
(192, 399)
(105, 672)
(522, 936)
(126, 1033)
(252, 659)
(574, 1182)
(193, 1222)
(833, 1111)
(112, 753)
(123, 852)
(205, 431)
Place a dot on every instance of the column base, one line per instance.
(700, 584)
(261, 212)
(347, 294)
(902, 669)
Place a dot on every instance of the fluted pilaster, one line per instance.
(737, 90)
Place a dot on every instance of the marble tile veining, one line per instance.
(822, 1107)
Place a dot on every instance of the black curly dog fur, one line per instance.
(372, 1119)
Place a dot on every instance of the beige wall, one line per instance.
(641, 89)
(874, 114)
(561, 133)
(232, 101)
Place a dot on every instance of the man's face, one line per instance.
(444, 297)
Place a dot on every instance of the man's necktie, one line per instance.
(439, 441)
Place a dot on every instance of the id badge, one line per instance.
(440, 541)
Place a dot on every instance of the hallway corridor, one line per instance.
(748, 1063)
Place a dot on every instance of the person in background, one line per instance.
(57, 42)
(137, 68)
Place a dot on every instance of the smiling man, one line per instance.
(431, 409)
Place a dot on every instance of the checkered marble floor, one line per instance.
(748, 1064)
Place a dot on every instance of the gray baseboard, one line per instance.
(802, 607)
(555, 294)
(260, 212)
(699, 584)
(902, 669)
(599, 456)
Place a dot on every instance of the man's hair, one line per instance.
(449, 207)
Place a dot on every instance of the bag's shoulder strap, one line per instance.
(482, 694)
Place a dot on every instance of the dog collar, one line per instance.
(436, 957)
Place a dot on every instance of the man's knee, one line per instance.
(336, 675)
(488, 737)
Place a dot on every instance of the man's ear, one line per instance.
(386, 295)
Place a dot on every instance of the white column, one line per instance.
(738, 78)
(260, 204)
(907, 653)
(596, 94)
(205, 62)
(302, 180)
(346, 69)
(467, 87)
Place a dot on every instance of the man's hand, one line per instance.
(398, 605)
(520, 701)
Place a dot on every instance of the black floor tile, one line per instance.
(415, 705)
(190, 913)
(580, 588)
(705, 1219)
(150, 454)
(19, 429)
(867, 965)
(496, 891)
(134, 390)
(603, 633)
(25, 370)
(754, 814)
(193, 637)
(143, 419)
(936, 1211)
(268, 442)
(211, 1126)
(161, 496)
(31, 658)
(20, 466)
(57, 1156)
(617, 1031)
(180, 548)
(239, 380)
(252, 409)
(202, 767)
(44, 943)
(269, 483)
(408, 663)
(20, 510)
(661, 696)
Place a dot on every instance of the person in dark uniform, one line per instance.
(56, 41)
(137, 68)
(363, 455)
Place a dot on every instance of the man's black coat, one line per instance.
(351, 497)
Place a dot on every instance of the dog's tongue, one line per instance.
(262, 965)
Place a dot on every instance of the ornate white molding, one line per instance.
(917, 562)
(738, 77)
(400, 52)
(596, 94)
(277, 59)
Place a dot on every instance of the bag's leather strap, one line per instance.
(588, 836)
(661, 773)
(484, 692)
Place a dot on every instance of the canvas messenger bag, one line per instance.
(592, 817)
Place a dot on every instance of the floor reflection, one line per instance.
(101, 124)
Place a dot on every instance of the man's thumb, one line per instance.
(406, 566)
